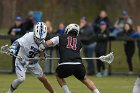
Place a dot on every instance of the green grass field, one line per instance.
(113, 84)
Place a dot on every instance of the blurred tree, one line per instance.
(66, 10)
(8, 12)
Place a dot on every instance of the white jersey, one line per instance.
(28, 47)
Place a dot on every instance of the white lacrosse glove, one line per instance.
(12, 51)
(42, 46)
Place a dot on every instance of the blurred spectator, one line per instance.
(17, 29)
(16, 32)
(86, 34)
(37, 16)
(137, 35)
(101, 48)
(49, 65)
(60, 31)
(129, 45)
(119, 24)
(29, 22)
(101, 17)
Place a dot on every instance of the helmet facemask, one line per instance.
(38, 40)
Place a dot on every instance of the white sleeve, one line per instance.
(24, 39)
(55, 40)
(21, 41)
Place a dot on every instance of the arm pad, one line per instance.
(14, 47)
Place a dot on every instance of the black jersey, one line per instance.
(69, 48)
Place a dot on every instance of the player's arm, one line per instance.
(53, 42)
(14, 48)
(49, 43)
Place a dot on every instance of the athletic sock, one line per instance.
(15, 84)
(12, 89)
(9, 91)
(96, 91)
(66, 89)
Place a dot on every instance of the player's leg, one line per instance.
(80, 74)
(46, 84)
(20, 72)
(62, 72)
(37, 71)
(90, 85)
(63, 84)
(136, 88)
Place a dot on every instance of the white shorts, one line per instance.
(35, 70)
(136, 88)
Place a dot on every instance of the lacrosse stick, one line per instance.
(5, 49)
(108, 58)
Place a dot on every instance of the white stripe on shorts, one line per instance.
(70, 63)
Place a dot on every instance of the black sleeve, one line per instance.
(10, 30)
(23, 30)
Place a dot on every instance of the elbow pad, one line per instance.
(14, 47)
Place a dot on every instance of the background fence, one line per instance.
(119, 66)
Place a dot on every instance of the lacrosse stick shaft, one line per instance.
(59, 58)
(14, 55)
(108, 58)
(30, 59)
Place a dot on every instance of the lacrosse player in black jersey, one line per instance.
(70, 60)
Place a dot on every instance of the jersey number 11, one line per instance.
(72, 43)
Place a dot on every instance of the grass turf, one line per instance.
(113, 84)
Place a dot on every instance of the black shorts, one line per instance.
(64, 71)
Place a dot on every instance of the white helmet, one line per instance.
(40, 32)
(72, 28)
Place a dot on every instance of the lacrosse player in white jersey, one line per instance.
(136, 88)
(28, 47)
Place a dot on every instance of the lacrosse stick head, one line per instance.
(108, 58)
(4, 49)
